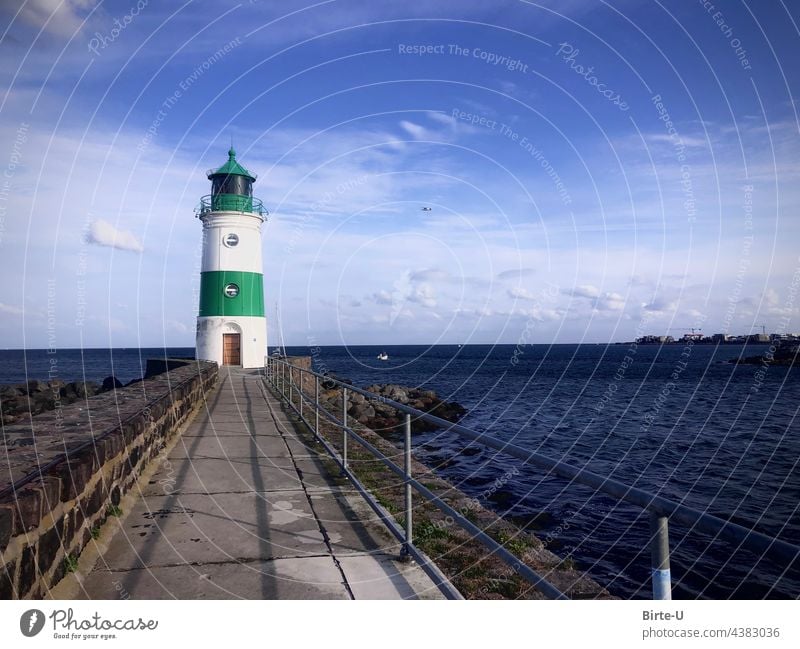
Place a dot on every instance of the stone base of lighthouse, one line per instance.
(232, 341)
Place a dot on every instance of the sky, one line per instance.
(594, 170)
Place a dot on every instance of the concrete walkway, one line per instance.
(242, 508)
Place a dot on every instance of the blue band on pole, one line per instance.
(662, 584)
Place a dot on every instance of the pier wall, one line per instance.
(47, 522)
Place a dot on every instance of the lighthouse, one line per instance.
(231, 327)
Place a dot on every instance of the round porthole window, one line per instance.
(231, 290)
(230, 239)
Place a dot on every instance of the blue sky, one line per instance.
(594, 170)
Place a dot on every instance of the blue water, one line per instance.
(721, 439)
(19, 366)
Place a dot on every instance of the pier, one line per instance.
(239, 506)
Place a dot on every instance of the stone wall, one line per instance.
(45, 524)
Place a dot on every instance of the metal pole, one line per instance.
(344, 428)
(659, 557)
(291, 385)
(405, 552)
(300, 390)
(316, 405)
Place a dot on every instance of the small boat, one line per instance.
(383, 356)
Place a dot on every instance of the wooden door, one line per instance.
(231, 349)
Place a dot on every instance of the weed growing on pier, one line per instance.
(70, 563)
(113, 510)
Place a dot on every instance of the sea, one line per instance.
(679, 421)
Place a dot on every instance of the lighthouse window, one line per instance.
(231, 290)
(231, 239)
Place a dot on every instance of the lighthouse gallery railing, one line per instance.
(230, 203)
(281, 374)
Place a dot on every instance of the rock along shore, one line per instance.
(24, 400)
(383, 418)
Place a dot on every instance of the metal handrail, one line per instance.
(408, 549)
(661, 509)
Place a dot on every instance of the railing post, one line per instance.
(405, 552)
(344, 428)
(659, 557)
(300, 390)
(291, 386)
(316, 405)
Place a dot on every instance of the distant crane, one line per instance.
(692, 329)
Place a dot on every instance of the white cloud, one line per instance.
(544, 315)
(11, 310)
(382, 297)
(661, 305)
(429, 274)
(415, 130)
(520, 293)
(59, 16)
(586, 290)
(516, 273)
(424, 295)
(610, 302)
(771, 298)
(102, 233)
(686, 140)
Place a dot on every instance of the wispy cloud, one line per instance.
(516, 273)
(415, 130)
(11, 310)
(102, 233)
(57, 16)
(587, 290)
(520, 293)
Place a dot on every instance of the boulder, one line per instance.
(8, 392)
(83, 389)
(398, 394)
(361, 411)
(69, 391)
(111, 383)
(35, 386)
(41, 401)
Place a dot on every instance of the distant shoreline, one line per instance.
(380, 346)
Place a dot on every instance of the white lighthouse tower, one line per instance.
(231, 327)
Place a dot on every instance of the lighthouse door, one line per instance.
(231, 349)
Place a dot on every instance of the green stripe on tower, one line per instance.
(215, 301)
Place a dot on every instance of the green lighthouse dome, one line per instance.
(231, 188)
